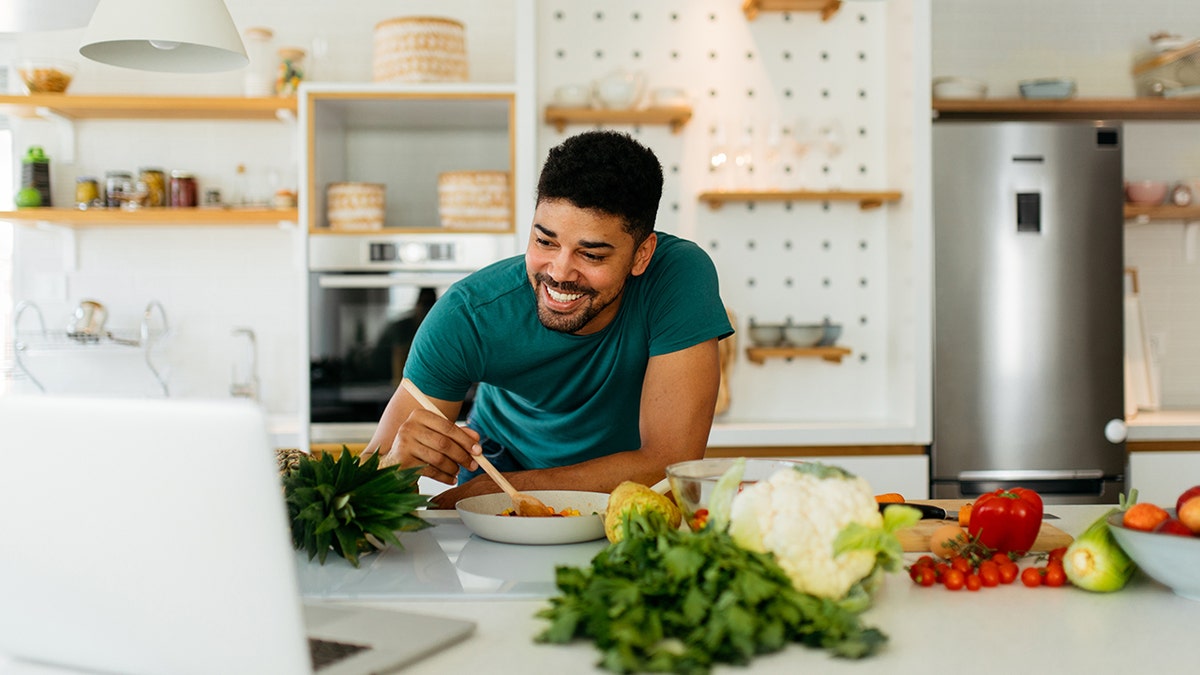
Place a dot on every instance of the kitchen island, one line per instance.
(446, 571)
(1006, 629)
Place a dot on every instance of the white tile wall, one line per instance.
(1097, 42)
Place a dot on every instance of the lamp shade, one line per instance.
(170, 36)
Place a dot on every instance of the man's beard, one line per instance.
(566, 323)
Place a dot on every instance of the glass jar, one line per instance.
(114, 183)
(156, 185)
(87, 192)
(291, 71)
(183, 189)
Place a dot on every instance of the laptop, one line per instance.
(151, 536)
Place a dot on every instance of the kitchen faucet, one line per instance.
(245, 379)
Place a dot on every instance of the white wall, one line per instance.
(1096, 42)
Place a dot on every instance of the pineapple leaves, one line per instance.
(350, 506)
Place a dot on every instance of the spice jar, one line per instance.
(114, 183)
(156, 185)
(183, 189)
(87, 192)
(291, 71)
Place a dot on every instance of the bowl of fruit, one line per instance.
(46, 76)
(1164, 542)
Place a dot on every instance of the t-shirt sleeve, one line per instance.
(444, 350)
(685, 301)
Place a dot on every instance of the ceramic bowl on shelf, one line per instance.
(1146, 192)
(1048, 88)
(1169, 559)
(46, 76)
(832, 332)
(692, 483)
(958, 88)
(803, 335)
(766, 334)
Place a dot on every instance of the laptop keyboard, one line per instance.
(325, 653)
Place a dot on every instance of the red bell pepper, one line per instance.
(1007, 520)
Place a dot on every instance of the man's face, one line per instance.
(577, 262)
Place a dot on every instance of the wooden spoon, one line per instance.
(525, 505)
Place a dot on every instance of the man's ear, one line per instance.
(643, 254)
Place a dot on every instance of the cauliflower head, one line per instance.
(797, 514)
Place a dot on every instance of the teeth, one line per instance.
(562, 297)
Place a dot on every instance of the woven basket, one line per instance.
(355, 206)
(419, 49)
(476, 200)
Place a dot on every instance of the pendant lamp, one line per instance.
(23, 16)
(169, 36)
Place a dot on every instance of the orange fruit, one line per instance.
(1144, 517)
(890, 498)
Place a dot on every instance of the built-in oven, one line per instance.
(367, 295)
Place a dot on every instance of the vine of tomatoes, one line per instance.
(974, 566)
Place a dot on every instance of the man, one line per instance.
(595, 353)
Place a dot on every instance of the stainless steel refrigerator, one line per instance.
(1028, 340)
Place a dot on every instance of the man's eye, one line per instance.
(542, 242)
(592, 257)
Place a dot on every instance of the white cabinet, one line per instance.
(1160, 477)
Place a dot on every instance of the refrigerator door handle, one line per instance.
(1032, 474)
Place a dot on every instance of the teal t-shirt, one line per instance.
(551, 398)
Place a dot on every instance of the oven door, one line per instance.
(361, 325)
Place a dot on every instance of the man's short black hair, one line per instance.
(607, 171)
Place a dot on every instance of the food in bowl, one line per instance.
(693, 482)
(45, 76)
(564, 513)
(481, 515)
(1168, 558)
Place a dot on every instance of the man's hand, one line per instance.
(479, 485)
(439, 444)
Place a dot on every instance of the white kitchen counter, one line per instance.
(446, 571)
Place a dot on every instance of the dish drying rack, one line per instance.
(151, 332)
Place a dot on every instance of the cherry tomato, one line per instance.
(974, 582)
(1057, 554)
(925, 560)
(1031, 577)
(1055, 576)
(961, 564)
(941, 569)
(953, 579)
(1008, 572)
(989, 577)
(1001, 558)
(927, 577)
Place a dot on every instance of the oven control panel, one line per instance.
(409, 252)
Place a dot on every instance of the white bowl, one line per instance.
(958, 88)
(1170, 559)
(803, 335)
(573, 95)
(482, 516)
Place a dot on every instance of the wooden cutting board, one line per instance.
(916, 538)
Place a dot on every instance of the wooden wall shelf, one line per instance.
(87, 106)
(157, 217)
(759, 355)
(1162, 212)
(866, 199)
(827, 8)
(1146, 108)
(674, 116)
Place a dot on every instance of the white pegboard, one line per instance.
(764, 85)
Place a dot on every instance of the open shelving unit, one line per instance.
(833, 354)
(110, 107)
(827, 8)
(1144, 108)
(673, 116)
(867, 199)
(189, 217)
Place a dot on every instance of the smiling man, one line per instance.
(595, 353)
